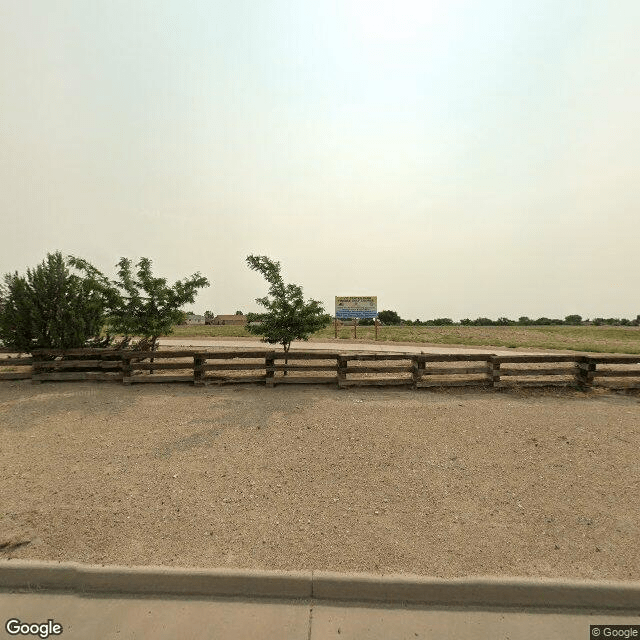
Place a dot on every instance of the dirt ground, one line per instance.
(435, 483)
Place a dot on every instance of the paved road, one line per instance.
(333, 346)
(110, 617)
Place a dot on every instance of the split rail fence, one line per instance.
(323, 367)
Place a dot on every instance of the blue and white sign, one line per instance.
(356, 307)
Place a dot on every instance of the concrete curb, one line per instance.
(321, 585)
(81, 578)
(478, 591)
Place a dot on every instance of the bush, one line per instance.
(53, 308)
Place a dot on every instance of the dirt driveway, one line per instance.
(440, 484)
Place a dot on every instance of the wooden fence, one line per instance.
(15, 366)
(344, 369)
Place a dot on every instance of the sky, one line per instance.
(453, 158)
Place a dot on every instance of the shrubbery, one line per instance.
(53, 307)
(66, 303)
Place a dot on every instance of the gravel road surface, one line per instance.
(340, 345)
(434, 483)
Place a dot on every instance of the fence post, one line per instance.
(269, 363)
(417, 367)
(198, 371)
(494, 361)
(35, 367)
(342, 370)
(585, 370)
(127, 369)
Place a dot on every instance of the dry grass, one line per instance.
(584, 339)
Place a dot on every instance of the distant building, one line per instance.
(194, 319)
(230, 320)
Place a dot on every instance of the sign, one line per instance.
(356, 307)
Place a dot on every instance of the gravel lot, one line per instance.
(441, 484)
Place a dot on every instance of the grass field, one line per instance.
(590, 339)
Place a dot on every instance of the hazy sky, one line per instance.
(455, 158)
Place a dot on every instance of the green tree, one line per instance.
(239, 313)
(147, 306)
(54, 308)
(441, 322)
(389, 317)
(483, 322)
(288, 316)
(573, 320)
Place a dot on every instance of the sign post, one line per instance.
(355, 307)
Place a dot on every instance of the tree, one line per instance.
(573, 320)
(54, 308)
(483, 322)
(389, 317)
(288, 316)
(239, 313)
(147, 306)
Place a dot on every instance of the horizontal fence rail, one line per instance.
(14, 365)
(341, 369)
